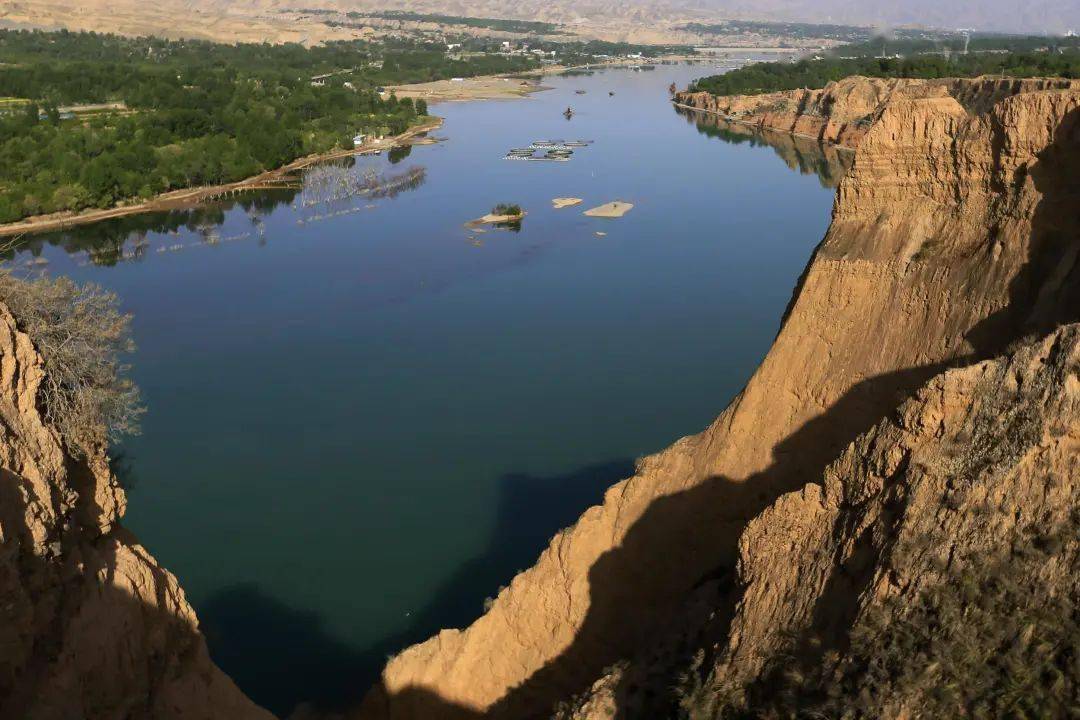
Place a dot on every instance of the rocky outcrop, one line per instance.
(954, 236)
(843, 111)
(90, 625)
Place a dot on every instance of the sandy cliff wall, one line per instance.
(843, 111)
(954, 235)
(90, 625)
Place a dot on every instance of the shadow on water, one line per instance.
(281, 655)
(809, 157)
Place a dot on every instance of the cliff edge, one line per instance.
(954, 237)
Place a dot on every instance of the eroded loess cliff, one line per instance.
(941, 547)
(843, 111)
(954, 237)
(91, 627)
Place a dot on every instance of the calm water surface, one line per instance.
(364, 417)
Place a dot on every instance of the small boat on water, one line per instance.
(568, 112)
(579, 92)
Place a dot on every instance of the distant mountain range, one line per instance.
(631, 20)
(1003, 15)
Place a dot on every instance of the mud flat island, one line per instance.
(494, 219)
(560, 203)
(614, 209)
(478, 88)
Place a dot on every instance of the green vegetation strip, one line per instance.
(197, 113)
(1004, 56)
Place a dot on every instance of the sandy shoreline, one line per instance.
(178, 199)
(487, 87)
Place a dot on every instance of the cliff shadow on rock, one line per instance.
(1046, 292)
(284, 656)
(622, 619)
(630, 612)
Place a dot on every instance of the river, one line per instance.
(365, 417)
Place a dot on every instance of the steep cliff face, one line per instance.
(941, 549)
(90, 625)
(975, 481)
(954, 235)
(843, 111)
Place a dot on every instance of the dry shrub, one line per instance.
(81, 335)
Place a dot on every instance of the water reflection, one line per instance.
(109, 242)
(324, 191)
(399, 153)
(335, 189)
(805, 155)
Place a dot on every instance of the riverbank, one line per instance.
(487, 87)
(177, 199)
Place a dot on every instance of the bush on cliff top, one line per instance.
(80, 335)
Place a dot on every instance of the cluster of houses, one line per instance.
(360, 138)
(507, 48)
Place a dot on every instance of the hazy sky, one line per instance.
(1052, 15)
(1017, 15)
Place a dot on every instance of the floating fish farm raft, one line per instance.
(556, 150)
